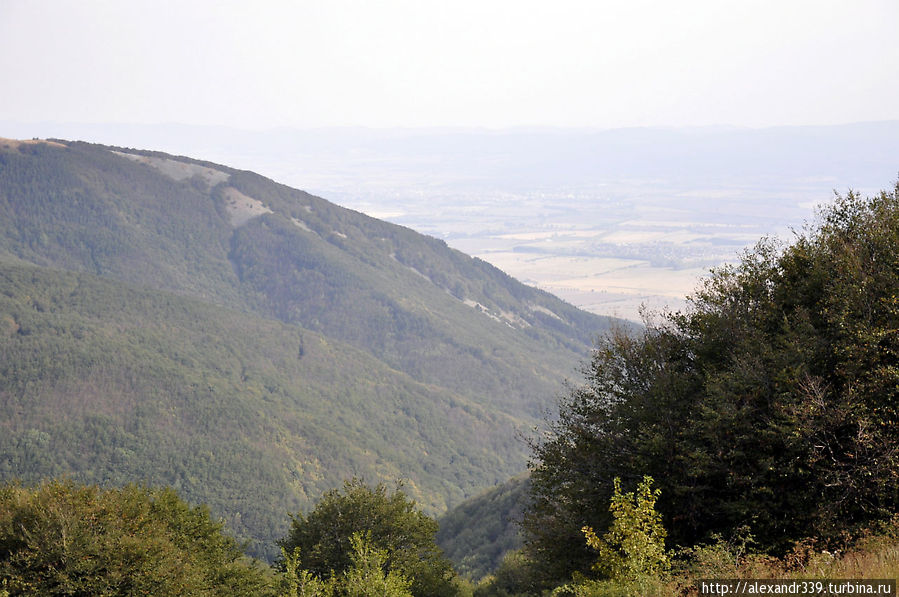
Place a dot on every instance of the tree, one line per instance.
(772, 402)
(634, 546)
(366, 576)
(323, 538)
(621, 423)
(60, 538)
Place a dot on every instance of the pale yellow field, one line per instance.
(552, 234)
(602, 285)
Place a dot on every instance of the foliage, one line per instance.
(60, 538)
(392, 526)
(634, 545)
(771, 403)
(478, 533)
(112, 384)
(380, 287)
(365, 577)
(514, 576)
(874, 555)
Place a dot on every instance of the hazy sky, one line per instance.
(450, 63)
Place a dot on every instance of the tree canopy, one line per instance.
(769, 404)
(59, 538)
(390, 522)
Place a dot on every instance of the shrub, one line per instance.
(634, 546)
(60, 538)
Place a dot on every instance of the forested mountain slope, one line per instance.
(183, 323)
(480, 531)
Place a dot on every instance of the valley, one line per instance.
(448, 299)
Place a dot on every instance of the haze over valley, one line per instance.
(608, 220)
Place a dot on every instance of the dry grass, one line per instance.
(243, 208)
(16, 143)
(871, 557)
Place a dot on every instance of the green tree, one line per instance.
(771, 403)
(366, 576)
(634, 545)
(323, 538)
(514, 576)
(60, 538)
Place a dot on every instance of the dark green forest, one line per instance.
(114, 384)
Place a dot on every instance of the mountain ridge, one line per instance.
(260, 327)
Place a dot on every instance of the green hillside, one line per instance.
(175, 224)
(251, 416)
(477, 533)
(183, 323)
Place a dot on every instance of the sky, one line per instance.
(422, 63)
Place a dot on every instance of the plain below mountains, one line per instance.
(177, 322)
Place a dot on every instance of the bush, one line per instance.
(60, 538)
(634, 546)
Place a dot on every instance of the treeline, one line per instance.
(62, 538)
(767, 413)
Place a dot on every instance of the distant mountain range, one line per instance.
(525, 158)
(173, 321)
